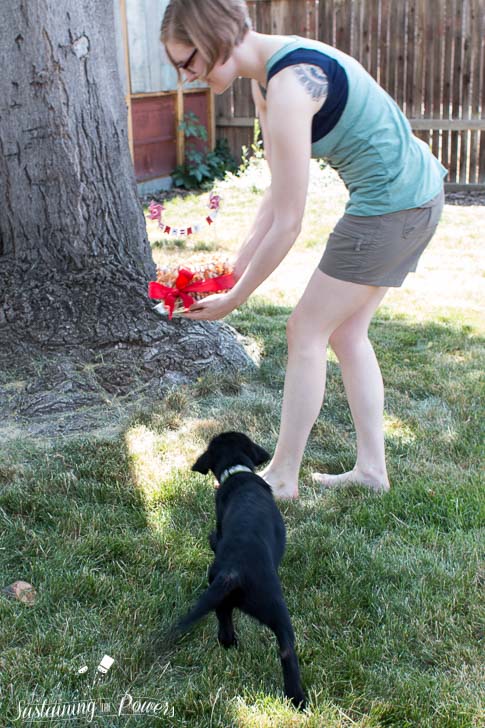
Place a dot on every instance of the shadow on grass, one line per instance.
(382, 590)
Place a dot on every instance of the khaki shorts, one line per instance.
(381, 250)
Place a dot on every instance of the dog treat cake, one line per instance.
(178, 287)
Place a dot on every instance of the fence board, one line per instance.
(478, 95)
(429, 55)
(343, 25)
(373, 36)
(475, 88)
(412, 58)
(312, 18)
(456, 88)
(436, 75)
(416, 68)
(465, 90)
(363, 17)
(398, 92)
(282, 17)
(384, 29)
(243, 103)
(447, 81)
(326, 23)
(355, 45)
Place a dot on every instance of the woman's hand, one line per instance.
(213, 307)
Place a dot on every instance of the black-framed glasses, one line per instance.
(185, 66)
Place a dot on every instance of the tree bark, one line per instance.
(74, 254)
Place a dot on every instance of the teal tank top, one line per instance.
(369, 141)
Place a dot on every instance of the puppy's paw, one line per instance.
(227, 640)
(299, 700)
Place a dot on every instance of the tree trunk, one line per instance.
(74, 255)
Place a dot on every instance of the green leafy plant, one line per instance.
(201, 167)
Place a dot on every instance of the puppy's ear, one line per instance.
(202, 464)
(258, 454)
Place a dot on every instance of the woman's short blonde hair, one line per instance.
(214, 27)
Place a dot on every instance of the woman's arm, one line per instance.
(288, 118)
(290, 110)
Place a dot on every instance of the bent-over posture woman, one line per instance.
(315, 101)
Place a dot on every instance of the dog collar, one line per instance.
(232, 471)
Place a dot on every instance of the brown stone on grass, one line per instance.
(22, 591)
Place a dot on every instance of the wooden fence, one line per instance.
(429, 55)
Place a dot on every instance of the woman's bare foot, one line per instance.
(282, 490)
(375, 481)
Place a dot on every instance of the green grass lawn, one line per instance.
(384, 591)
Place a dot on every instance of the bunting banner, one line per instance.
(155, 210)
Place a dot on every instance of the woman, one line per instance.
(313, 100)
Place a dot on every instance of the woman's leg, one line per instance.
(365, 393)
(325, 305)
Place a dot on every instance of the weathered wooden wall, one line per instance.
(429, 55)
(156, 103)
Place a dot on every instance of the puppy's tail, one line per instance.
(223, 584)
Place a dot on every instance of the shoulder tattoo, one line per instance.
(314, 80)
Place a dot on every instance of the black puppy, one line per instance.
(248, 544)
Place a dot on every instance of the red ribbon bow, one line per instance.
(183, 288)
